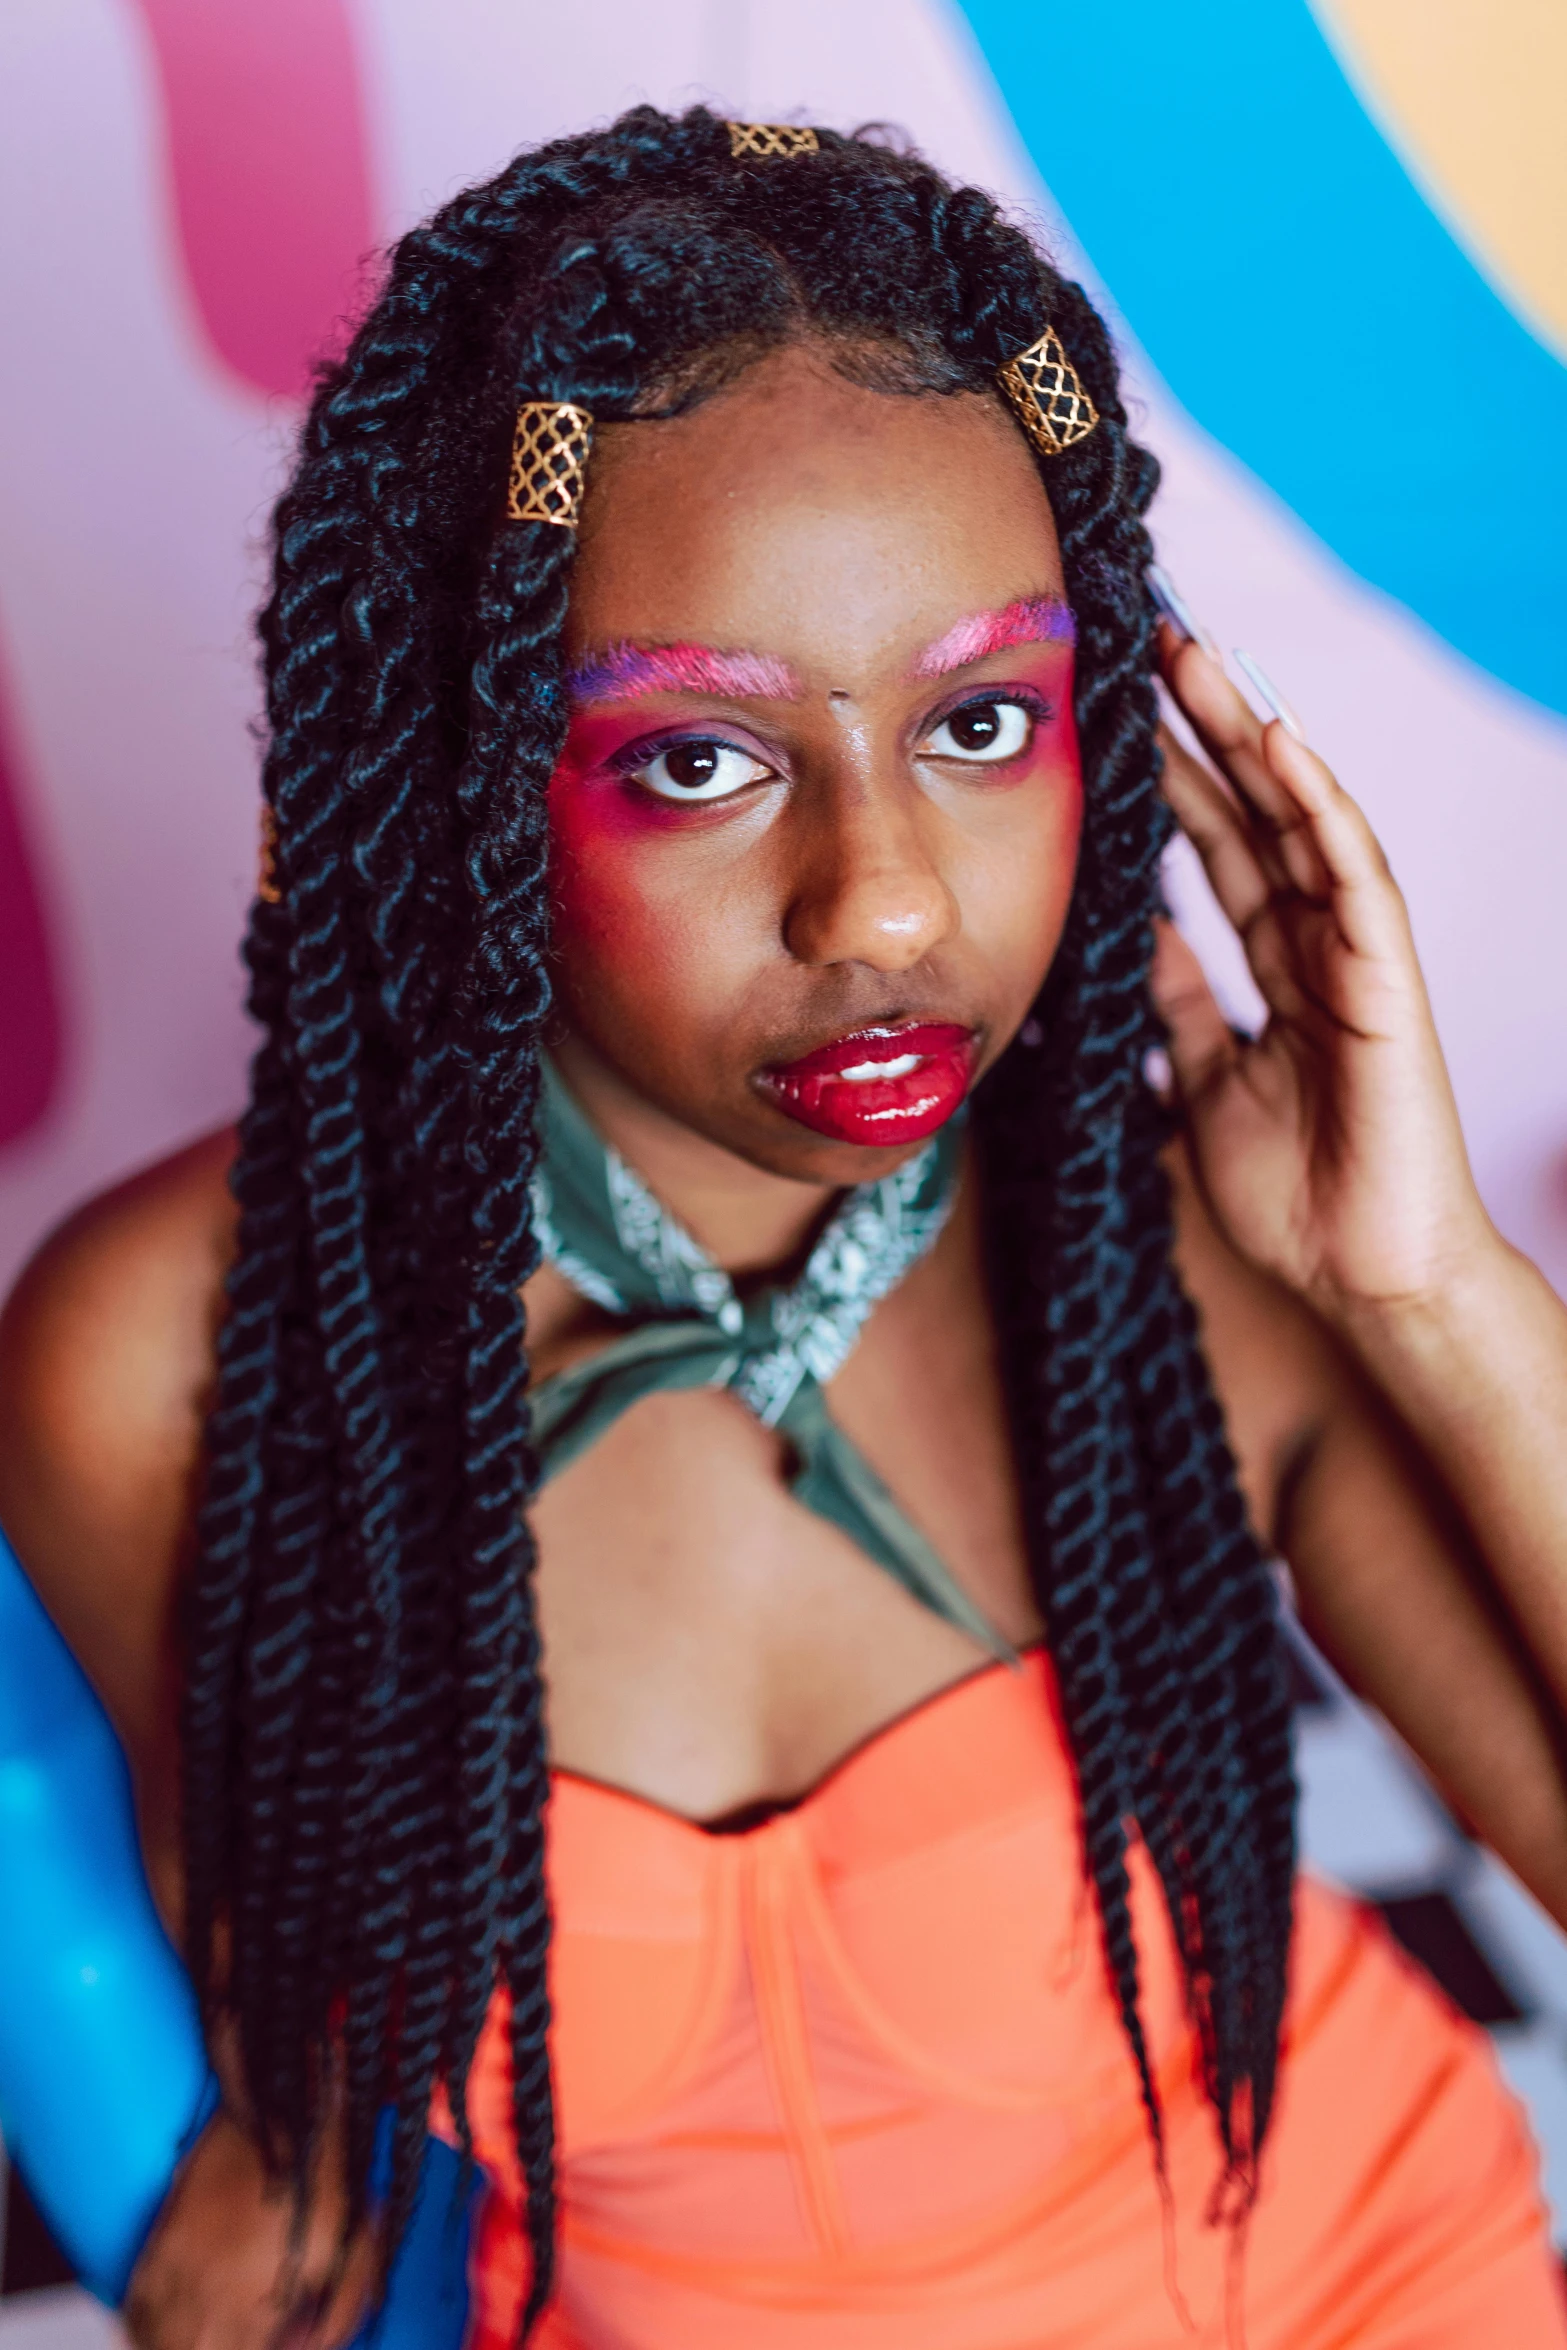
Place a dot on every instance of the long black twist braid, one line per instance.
(364, 1740)
(1159, 1605)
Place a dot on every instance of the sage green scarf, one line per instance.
(599, 1224)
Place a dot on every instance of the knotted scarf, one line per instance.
(774, 1350)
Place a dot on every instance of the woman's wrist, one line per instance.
(1450, 1338)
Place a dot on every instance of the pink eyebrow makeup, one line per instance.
(622, 672)
(1033, 620)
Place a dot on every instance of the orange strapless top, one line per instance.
(853, 2079)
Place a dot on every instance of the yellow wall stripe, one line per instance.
(1473, 95)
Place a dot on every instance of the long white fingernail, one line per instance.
(1270, 694)
(1174, 606)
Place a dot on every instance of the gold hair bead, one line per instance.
(770, 138)
(266, 873)
(549, 455)
(1047, 395)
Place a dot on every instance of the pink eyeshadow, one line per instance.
(625, 671)
(1033, 620)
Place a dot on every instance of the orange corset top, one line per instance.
(853, 2078)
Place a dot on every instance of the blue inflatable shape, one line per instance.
(1302, 300)
(104, 2078)
(103, 2075)
(426, 2306)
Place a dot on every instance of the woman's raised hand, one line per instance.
(1329, 1148)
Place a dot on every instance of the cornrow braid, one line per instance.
(364, 1740)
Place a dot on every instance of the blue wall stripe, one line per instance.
(1304, 302)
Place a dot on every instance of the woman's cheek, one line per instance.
(1066, 806)
(1065, 750)
(615, 930)
(1067, 783)
(1030, 866)
(593, 880)
(1063, 782)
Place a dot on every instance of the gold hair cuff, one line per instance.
(549, 455)
(266, 871)
(770, 138)
(1047, 395)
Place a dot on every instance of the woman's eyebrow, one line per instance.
(1032, 620)
(621, 672)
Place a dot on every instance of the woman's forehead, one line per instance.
(798, 514)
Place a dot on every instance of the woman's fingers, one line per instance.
(1202, 1046)
(1247, 751)
(1365, 897)
(1256, 896)
(1283, 844)
(1286, 846)
(1368, 910)
(1286, 931)
(1303, 829)
(1223, 721)
(1217, 828)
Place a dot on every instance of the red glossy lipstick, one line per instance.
(881, 1086)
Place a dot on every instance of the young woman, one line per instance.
(709, 927)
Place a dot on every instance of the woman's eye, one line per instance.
(982, 731)
(699, 771)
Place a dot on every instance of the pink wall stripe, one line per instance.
(264, 122)
(30, 1028)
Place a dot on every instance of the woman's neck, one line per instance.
(749, 1220)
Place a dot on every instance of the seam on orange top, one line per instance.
(936, 2257)
(1170, 2074)
(872, 2127)
(709, 2004)
(786, 2051)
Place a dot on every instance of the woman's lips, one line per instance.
(881, 1086)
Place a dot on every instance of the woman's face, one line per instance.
(817, 816)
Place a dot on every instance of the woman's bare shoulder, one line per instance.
(107, 1350)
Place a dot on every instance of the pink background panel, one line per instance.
(264, 143)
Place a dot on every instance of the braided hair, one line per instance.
(365, 1763)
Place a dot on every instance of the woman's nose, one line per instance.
(867, 888)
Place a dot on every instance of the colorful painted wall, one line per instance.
(1336, 245)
